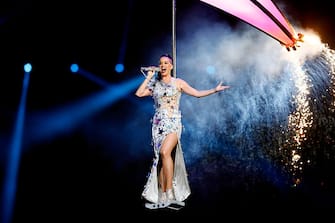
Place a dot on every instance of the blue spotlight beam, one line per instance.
(62, 120)
(93, 78)
(123, 45)
(10, 181)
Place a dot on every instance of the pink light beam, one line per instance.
(263, 15)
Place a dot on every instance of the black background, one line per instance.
(70, 178)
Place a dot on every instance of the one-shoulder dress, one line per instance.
(166, 119)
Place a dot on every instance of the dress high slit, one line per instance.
(166, 120)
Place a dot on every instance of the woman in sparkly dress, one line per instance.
(167, 182)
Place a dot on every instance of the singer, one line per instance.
(167, 185)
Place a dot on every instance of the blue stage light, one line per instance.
(119, 68)
(74, 68)
(27, 67)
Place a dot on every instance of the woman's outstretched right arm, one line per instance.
(143, 90)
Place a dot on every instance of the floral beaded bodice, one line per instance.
(166, 97)
(166, 120)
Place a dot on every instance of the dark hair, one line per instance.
(168, 56)
(159, 76)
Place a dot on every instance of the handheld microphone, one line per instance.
(156, 69)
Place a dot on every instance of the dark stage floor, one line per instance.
(67, 185)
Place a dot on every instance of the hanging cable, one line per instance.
(174, 37)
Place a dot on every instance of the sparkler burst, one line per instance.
(275, 124)
(314, 112)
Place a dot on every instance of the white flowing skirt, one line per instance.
(160, 129)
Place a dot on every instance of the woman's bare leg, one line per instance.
(168, 145)
(162, 182)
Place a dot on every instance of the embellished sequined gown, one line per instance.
(166, 119)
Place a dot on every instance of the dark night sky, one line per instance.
(52, 35)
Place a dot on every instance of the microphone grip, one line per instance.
(156, 69)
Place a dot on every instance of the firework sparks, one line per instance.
(299, 121)
(303, 117)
